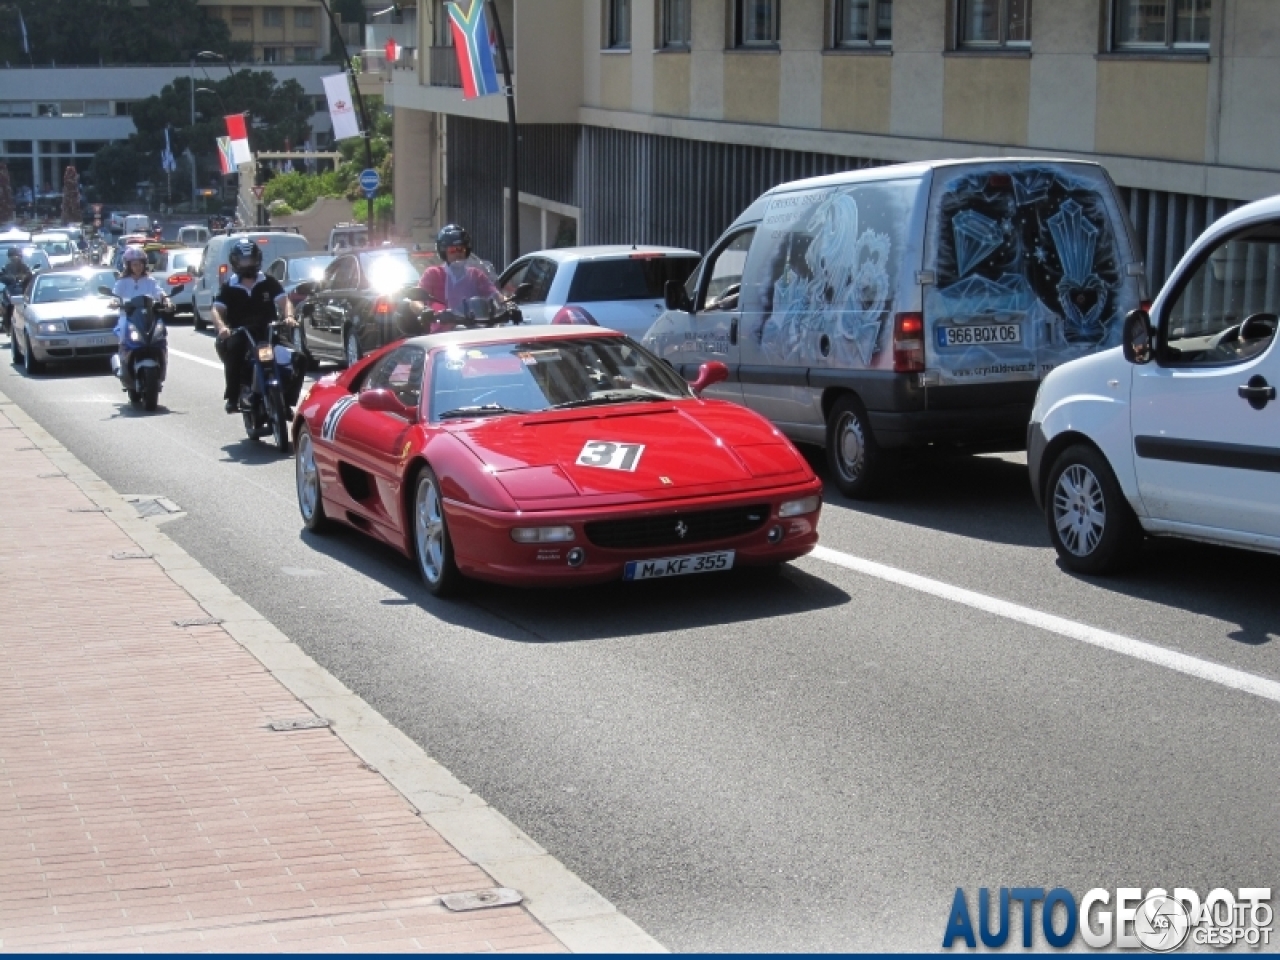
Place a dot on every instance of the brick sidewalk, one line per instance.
(146, 804)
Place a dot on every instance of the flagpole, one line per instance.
(364, 115)
(513, 145)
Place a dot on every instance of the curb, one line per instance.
(578, 916)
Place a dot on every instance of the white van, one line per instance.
(137, 223)
(215, 266)
(193, 235)
(908, 305)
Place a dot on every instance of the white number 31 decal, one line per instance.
(611, 456)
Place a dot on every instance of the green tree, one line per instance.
(118, 167)
(69, 32)
(70, 195)
(6, 195)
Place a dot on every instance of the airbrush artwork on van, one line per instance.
(908, 305)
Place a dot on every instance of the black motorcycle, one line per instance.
(270, 384)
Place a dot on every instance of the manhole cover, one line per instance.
(481, 899)
(197, 622)
(302, 723)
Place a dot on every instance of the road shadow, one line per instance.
(1223, 583)
(982, 497)
(254, 453)
(598, 612)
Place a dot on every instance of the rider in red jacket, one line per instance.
(452, 282)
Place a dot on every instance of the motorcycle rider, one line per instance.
(252, 300)
(15, 273)
(135, 282)
(452, 282)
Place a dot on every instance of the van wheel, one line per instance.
(1092, 526)
(197, 321)
(855, 458)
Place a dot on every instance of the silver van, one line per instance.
(908, 305)
(215, 265)
(193, 235)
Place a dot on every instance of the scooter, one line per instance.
(146, 353)
(266, 391)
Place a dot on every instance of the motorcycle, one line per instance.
(269, 384)
(421, 312)
(10, 291)
(146, 353)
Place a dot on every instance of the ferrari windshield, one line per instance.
(489, 379)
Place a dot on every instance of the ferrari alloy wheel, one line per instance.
(1090, 523)
(310, 504)
(351, 348)
(431, 537)
(852, 452)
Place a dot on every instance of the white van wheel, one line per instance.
(1091, 525)
(852, 453)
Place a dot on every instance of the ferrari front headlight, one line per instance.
(798, 508)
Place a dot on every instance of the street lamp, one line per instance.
(210, 55)
(221, 102)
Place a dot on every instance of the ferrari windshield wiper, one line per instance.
(615, 396)
(479, 410)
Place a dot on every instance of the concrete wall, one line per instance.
(986, 99)
(317, 220)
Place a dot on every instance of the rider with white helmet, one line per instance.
(134, 282)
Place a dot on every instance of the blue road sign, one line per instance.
(369, 181)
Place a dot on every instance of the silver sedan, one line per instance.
(64, 317)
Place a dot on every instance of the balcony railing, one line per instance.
(444, 67)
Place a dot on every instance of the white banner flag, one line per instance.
(341, 110)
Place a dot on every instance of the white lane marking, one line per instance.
(1115, 642)
(191, 356)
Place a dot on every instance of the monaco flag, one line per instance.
(239, 135)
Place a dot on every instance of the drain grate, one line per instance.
(481, 899)
(303, 723)
(151, 505)
(198, 622)
(131, 555)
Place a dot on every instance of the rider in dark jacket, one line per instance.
(249, 300)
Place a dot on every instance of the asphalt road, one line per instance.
(809, 762)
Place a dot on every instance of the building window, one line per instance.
(303, 18)
(97, 108)
(755, 23)
(242, 17)
(863, 23)
(16, 108)
(73, 108)
(304, 54)
(48, 110)
(123, 108)
(273, 16)
(1156, 24)
(273, 54)
(617, 14)
(994, 23)
(674, 29)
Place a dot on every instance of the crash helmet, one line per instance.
(131, 254)
(452, 235)
(245, 258)
(15, 253)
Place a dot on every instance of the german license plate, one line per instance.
(979, 334)
(101, 341)
(678, 566)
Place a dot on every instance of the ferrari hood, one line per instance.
(659, 450)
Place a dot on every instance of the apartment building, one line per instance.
(280, 31)
(657, 121)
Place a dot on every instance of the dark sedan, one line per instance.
(352, 309)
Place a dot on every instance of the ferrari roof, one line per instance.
(461, 338)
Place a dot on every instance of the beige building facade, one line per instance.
(280, 31)
(658, 120)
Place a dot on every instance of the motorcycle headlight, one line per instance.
(265, 353)
(52, 326)
(134, 335)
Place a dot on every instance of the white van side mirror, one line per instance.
(1136, 341)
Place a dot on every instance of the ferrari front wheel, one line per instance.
(432, 547)
(310, 500)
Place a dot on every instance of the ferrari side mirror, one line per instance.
(384, 401)
(713, 371)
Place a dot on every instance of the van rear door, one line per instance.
(1031, 268)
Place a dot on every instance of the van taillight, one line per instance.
(222, 272)
(908, 343)
(1146, 306)
(383, 308)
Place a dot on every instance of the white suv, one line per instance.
(1176, 432)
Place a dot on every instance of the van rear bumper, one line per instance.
(993, 428)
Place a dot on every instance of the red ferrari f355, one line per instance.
(549, 455)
